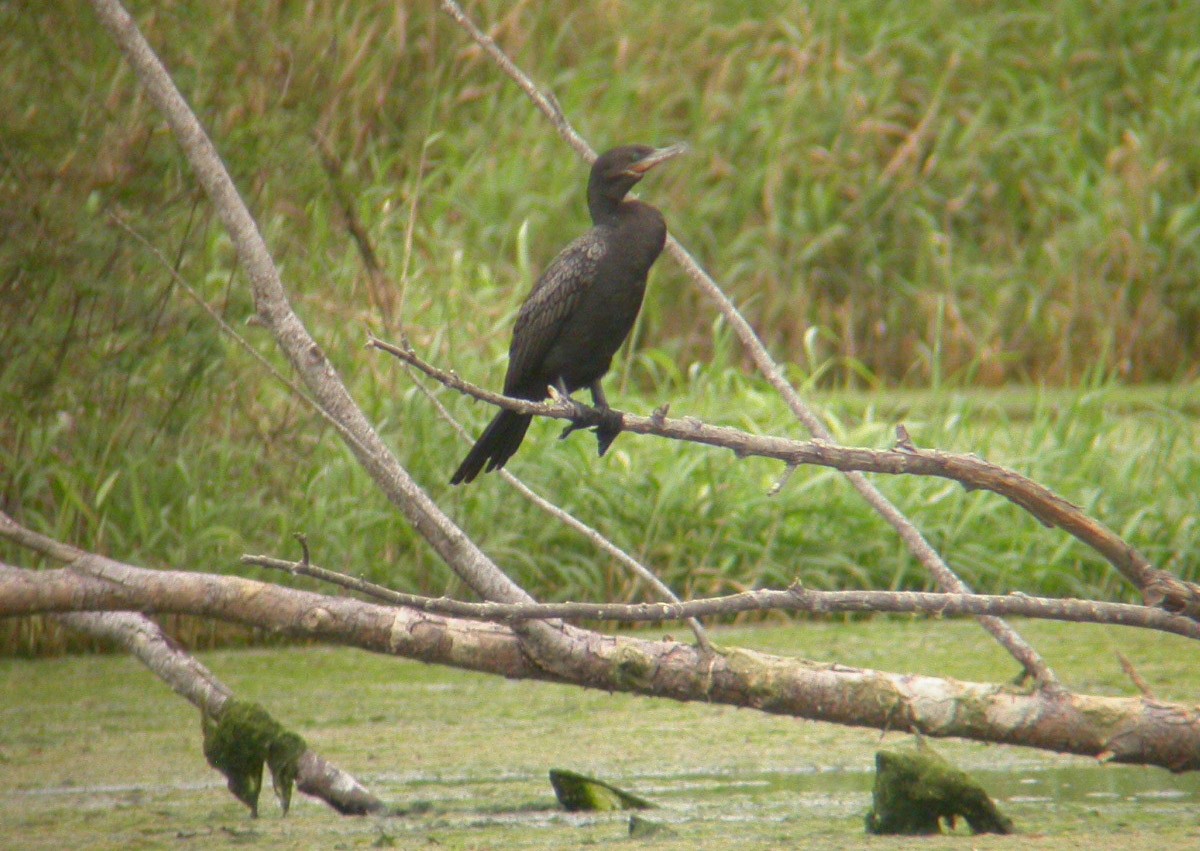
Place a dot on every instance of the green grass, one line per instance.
(914, 199)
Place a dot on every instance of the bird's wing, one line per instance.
(550, 302)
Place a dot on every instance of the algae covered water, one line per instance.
(96, 753)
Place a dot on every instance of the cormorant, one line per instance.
(582, 307)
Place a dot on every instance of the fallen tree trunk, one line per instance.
(1122, 729)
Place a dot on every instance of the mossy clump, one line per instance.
(579, 793)
(916, 788)
(241, 741)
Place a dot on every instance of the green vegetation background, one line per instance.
(911, 201)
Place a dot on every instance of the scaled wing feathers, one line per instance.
(552, 299)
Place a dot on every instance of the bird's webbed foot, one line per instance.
(609, 427)
(610, 423)
(606, 422)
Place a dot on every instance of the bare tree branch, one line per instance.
(794, 599)
(1122, 729)
(947, 580)
(1159, 587)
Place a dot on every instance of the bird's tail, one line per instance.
(495, 446)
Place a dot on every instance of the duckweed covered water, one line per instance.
(94, 753)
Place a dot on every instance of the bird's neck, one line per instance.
(606, 212)
(637, 228)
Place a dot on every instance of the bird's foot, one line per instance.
(610, 426)
(606, 422)
(582, 418)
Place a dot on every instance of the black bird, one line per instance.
(582, 307)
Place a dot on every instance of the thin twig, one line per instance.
(410, 229)
(233, 333)
(378, 285)
(1134, 676)
(546, 104)
(794, 599)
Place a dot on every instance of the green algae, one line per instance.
(580, 793)
(241, 741)
(916, 790)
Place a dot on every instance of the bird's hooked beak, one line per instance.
(655, 157)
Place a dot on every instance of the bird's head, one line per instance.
(615, 172)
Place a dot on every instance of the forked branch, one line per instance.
(1158, 587)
